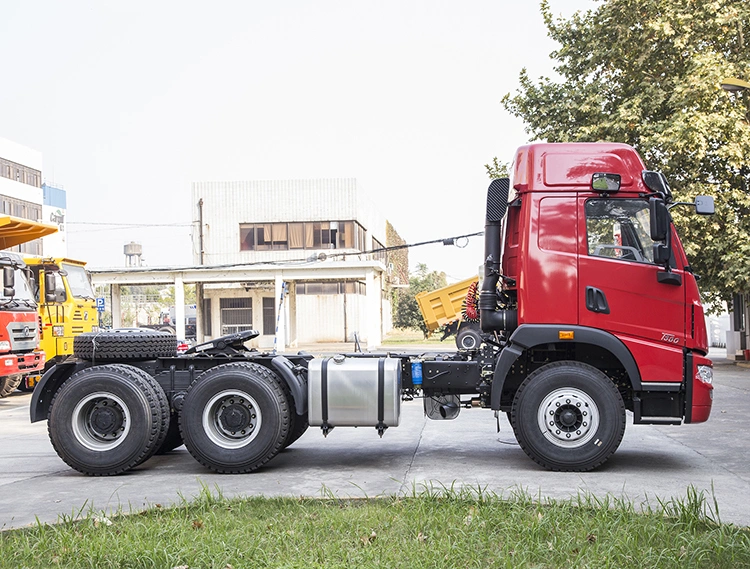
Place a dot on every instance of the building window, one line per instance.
(285, 236)
(20, 173)
(380, 255)
(236, 315)
(330, 287)
(269, 317)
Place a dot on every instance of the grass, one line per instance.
(440, 527)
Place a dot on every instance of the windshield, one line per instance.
(21, 285)
(78, 281)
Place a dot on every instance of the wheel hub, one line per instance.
(231, 419)
(106, 419)
(101, 421)
(568, 417)
(235, 417)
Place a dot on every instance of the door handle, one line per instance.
(596, 300)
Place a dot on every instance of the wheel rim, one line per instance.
(231, 419)
(568, 417)
(101, 421)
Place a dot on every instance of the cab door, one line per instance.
(618, 287)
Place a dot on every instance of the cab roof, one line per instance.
(569, 166)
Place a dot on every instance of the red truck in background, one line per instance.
(19, 319)
(588, 308)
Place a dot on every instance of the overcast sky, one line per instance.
(130, 102)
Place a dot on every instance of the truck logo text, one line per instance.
(670, 338)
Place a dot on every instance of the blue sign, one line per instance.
(100, 304)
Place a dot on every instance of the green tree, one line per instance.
(407, 314)
(497, 169)
(648, 73)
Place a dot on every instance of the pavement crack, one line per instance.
(413, 457)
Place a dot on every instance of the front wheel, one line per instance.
(568, 416)
(9, 384)
(235, 418)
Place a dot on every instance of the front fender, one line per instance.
(529, 336)
(45, 390)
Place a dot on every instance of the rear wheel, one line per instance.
(568, 416)
(235, 418)
(104, 420)
(173, 438)
(165, 415)
(297, 429)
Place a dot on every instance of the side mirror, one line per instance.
(606, 183)
(704, 205)
(9, 282)
(659, 217)
(49, 287)
(662, 254)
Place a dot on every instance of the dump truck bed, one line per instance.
(442, 306)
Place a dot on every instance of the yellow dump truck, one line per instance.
(445, 308)
(67, 306)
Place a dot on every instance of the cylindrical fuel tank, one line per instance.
(354, 392)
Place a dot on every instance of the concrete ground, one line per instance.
(652, 463)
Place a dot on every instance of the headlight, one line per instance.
(705, 374)
(5, 346)
(58, 331)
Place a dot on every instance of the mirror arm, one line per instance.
(670, 206)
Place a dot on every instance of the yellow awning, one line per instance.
(14, 231)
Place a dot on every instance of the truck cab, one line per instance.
(67, 306)
(587, 277)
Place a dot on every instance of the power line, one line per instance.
(314, 259)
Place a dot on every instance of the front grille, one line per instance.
(23, 335)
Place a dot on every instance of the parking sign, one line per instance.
(100, 304)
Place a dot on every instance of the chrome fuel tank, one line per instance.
(354, 392)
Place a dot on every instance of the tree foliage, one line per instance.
(648, 73)
(407, 314)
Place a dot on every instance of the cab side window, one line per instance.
(619, 229)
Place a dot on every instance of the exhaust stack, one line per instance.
(491, 319)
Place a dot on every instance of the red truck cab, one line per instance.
(584, 277)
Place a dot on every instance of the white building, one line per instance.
(21, 187)
(300, 245)
(55, 212)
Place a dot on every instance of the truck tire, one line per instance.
(568, 416)
(298, 427)
(173, 438)
(9, 384)
(235, 418)
(104, 420)
(298, 423)
(468, 338)
(165, 414)
(126, 344)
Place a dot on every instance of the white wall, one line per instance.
(226, 205)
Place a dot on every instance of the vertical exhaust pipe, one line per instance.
(490, 318)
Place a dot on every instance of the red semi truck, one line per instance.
(588, 308)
